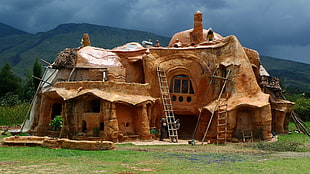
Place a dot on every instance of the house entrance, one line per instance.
(188, 123)
(56, 110)
(244, 122)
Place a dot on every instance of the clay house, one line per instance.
(217, 88)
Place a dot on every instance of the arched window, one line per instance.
(181, 87)
(181, 84)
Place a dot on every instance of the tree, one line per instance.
(27, 90)
(37, 72)
(302, 108)
(8, 81)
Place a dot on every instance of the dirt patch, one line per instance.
(7, 163)
(36, 168)
(184, 147)
(139, 169)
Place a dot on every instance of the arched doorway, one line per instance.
(188, 123)
(244, 123)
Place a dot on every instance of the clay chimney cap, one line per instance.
(198, 12)
(198, 16)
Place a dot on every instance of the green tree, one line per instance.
(8, 81)
(27, 91)
(37, 72)
(302, 108)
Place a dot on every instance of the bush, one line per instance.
(9, 100)
(56, 123)
(302, 108)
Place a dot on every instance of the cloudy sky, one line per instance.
(278, 28)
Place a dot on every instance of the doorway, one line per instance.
(56, 110)
(244, 122)
(188, 124)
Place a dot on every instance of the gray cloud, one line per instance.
(274, 28)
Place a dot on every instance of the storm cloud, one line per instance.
(274, 28)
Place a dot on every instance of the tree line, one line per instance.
(14, 90)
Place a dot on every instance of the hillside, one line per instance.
(7, 30)
(292, 74)
(21, 49)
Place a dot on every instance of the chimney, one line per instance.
(197, 33)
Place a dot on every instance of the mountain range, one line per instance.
(20, 49)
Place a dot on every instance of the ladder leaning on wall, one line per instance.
(221, 132)
(167, 103)
(221, 114)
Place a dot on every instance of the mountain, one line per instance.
(21, 49)
(293, 75)
(7, 30)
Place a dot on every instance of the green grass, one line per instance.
(294, 142)
(293, 136)
(43, 160)
(129, 158)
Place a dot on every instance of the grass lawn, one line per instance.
(291, 154)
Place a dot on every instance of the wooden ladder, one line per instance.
(167, 103)
(222, 115)
(216, 105)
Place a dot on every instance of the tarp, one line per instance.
(68, 94)
(97, 57)
(48, 77)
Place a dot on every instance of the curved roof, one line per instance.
(194, 36)
(184, 37)
(132, 46)
(115, 97)
(96, 57)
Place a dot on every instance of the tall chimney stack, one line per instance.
(197, 33)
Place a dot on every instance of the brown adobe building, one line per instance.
(115, 94)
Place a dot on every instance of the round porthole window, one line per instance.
(180, 99)
(174, 98)
(188, 99)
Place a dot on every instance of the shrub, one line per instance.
(56, 123)
(302, 108)
(9, 99)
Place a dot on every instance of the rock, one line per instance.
(57, 143)
(87, 145)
